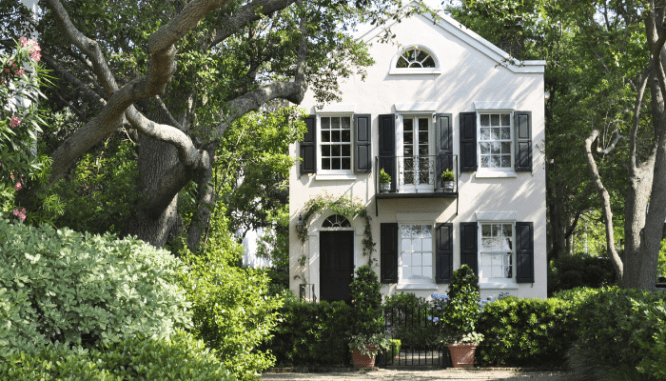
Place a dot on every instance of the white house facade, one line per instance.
(441, 98)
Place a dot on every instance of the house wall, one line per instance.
(468, 74)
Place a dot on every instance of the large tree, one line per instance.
(175, 75)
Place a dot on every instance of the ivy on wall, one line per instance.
(345, 206)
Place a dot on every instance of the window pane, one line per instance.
(495, 162)
(495, 135)
(423, 138)
(325, 136)
(429, 62)
(325, 150)
(408, 138)
(485, 231)
(408, 151)
(346, 136)
(506, 147)
(335, 164)
(485, 161)
(326, 164)
(494, 120)
(345, 123)
(346, 150)
(346, 163)
(485, 148)
(421, 56)
(506, 133)
(423, 124)
(402, 63)
(485, 120)
(506, 120)
(423, 151)
(485, 134)
(506, 161)
(335, 150)
(408, 124)
(325, 123)
(335, 123)
(496, 147)
(335, 136)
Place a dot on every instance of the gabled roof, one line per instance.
(472, 39)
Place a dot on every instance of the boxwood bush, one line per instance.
(312, 334)
(621, 336)
(179, 358)
(82, 289)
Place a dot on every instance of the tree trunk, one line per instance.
(155, 159)
(644, 230)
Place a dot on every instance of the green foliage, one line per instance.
(447, 175)
(526, 331)
(312, 333)
(367, 316)
(180, 358)
(274, 244)
(623, 329)
(461, 312)
(384, 177)
(345, 206)
(233, 312)
(571, 271)
(83, 289)
(20, 122)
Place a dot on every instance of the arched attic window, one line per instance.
(415, 58)
(336, 221)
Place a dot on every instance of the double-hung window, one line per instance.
(335, 145)
(415, 263)
(495, 141)
(496, 252)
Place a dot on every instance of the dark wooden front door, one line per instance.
(336, 269)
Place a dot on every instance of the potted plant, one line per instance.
(447, 180)
(367, 337)
(384, 181)
(462, 313)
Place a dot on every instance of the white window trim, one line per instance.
(335, 174)
(498, 218)
(483, 173)
(414, 284)
(399, 142)
(414, 71)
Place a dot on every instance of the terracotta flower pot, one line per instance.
(462, 355)
(364, 361)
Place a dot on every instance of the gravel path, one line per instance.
(423, 375)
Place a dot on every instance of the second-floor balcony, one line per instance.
(417, 176)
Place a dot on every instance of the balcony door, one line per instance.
(416, 164)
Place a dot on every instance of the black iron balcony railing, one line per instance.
(416, 175)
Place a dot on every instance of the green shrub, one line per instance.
(82, 289)
(233, 312)
(526, 331)
(461, 312)
(312, 333)
(621, 336)
(367, 316)
(180, 358)
(580, 270)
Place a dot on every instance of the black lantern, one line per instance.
(300, 225)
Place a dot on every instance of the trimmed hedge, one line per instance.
(180, 358)
(312, 334)
(621, 335)
(82, 289)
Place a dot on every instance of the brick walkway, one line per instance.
(423, 375)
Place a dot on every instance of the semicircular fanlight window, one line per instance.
(336, 221)
(415, 59)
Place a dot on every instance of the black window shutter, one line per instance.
(362, 145)
(523, 129)
(443, 147)
(308, 147)
(468, 142)
(389, 252)
(525, 252)
(443, 252)
(387, 159)
(469, 253)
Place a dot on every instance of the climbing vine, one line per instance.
(345, 206)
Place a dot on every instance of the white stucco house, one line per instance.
(441, 98)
